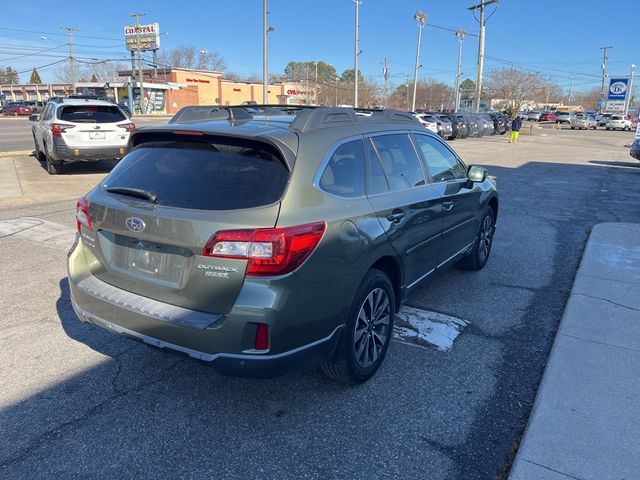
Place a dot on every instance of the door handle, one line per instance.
(447, 206)
(396, 217)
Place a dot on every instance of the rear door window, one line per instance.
(228, 175)
(91, 114)
(344, 174)
(399, 161)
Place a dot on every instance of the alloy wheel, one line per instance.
(372, 327)
(486, 237)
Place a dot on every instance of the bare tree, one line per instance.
(587, 98)
(431, 95)
(187, 56)
(514, 88)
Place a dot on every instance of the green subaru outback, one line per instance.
(263, 242)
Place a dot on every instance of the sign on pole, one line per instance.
(142, 38)
(617, 97)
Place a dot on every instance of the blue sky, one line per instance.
(558, 37)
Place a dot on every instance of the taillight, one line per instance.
(269, 251)
(58, 128)
(128, 126)
(82, 214)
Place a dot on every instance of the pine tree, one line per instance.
(35, 77)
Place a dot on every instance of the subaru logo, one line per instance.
(135, 224)
(97, 127)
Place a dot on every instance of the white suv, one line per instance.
(616, 122)
(71, 130)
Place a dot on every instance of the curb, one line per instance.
(17, 153)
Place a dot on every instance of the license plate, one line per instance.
(97, 135)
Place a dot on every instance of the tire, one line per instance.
(572, 128)
(479, 256)
(357, 358)
(36, 150)
(53, 167)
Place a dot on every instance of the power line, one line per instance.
(56, 34)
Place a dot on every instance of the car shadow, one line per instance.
(82, 168)
(616, 164)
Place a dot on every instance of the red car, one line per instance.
(15, 109)
(548, 117)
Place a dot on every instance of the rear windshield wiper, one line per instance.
(134, 192)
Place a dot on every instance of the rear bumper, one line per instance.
(238, 365)
(61, 151)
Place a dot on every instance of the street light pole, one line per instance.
(356, 54)
(421, 20)
(337, 80)
(460, 34)
(265, 55)
(140, 73)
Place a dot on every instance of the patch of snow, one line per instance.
(421, 327)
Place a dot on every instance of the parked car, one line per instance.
(635, 149)
(564, 117)
(196, 241)
(547, 117)
(447, 130)
(80, 130)
(603, 119)
(17, 109)
(463, 125)
(618, 122)
(581, 122)
(534, 115)
(36, 106)
(428, 122)
(460, 129)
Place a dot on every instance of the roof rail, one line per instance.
(317, 118)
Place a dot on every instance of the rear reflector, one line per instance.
(262, 337)
(269, 251)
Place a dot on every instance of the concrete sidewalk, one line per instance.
(585, 422)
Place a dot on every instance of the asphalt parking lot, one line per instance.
(77, 401)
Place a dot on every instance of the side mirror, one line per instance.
(477, 174)
(34, 118)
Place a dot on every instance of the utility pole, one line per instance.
(570, 88)
(356, 54)
(481, 6)
(140, 73)
(460, 34)
(605, 59)
(421, 20)
(72, 67)
(385, 77)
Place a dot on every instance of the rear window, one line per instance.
(91, 114)
(204, 176)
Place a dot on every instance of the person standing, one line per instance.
(515, 129)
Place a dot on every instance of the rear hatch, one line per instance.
(95, 126)
(155, 212)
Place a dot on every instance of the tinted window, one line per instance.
(91, 114)
(399, 161)
(441, 162)
(344, 174)
(204, 176)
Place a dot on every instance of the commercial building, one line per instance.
(167, 90)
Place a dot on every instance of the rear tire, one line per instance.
(479, 255)
(53, 167)
(365, 339)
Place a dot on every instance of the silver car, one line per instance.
(534, 115)
(564, 117)
(585, 122)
